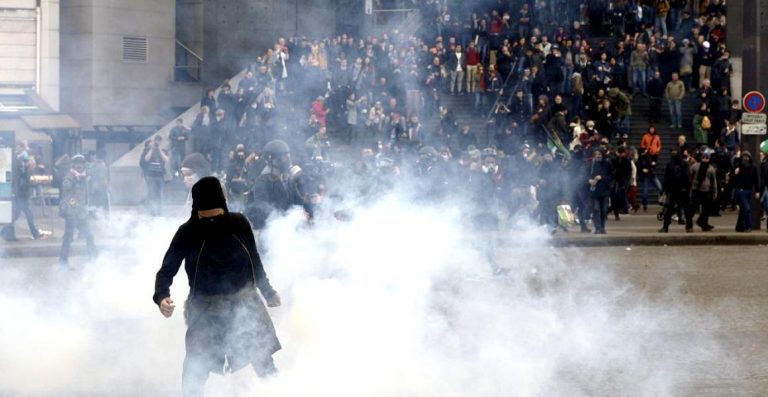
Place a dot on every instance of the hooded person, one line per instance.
(228, 326)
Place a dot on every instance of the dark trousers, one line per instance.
(177, 156)
(155, 195)
(82, 225)
(619, 201)
(675, 202)
(548, 213)
(22, 205)
(582, 206)
(654, 110)
(599, 212)
(706, 204)
(743, 198)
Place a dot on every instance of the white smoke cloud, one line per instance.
(398, 301)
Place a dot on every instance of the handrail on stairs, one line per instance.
(189, 50)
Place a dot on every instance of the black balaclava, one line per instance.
(207, 194)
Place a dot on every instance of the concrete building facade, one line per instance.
(29, 47)
(117, 60)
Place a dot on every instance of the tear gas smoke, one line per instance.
(397, 301)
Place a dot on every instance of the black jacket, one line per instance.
(219, 257)
(604, 186)
(270, 194)
(656, 88)
(744, 176)
(677, 176)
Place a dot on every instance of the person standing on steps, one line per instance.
(675, 93)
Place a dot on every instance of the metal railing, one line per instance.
(188, 64)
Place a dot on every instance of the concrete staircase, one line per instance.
(462, 107)
(639, 125)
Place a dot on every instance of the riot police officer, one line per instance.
(275, 189)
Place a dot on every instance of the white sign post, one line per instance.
(368, 7)
(754, 118)
(753, 129)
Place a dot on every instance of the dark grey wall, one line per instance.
(189, 24)
(237, 31)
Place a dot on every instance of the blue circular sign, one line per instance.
(754, 102)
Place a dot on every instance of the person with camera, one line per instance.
(179, 136)
(73, 207)
(25, 166)
(237, 178)
(153, 161)
(228, 326)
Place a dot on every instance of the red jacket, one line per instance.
(473, 56)
(496, 25)
(318, 109)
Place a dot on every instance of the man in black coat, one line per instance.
(656, 93)
(578, 188)
(623, 168)
(226, 318)
(600, 186)
(677, 186)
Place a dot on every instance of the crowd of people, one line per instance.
(554, 81)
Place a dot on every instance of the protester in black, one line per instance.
(228, 326)
(600, 186)
(677, 186)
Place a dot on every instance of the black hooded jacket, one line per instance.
(219, 255)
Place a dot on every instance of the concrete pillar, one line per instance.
(754, 50)
(49, 53)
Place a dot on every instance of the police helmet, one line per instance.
(276, 148)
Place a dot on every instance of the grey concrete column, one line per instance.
(753, 78)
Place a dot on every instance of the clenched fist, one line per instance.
(166, 307)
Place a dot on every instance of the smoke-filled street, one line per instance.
(682, 321)
(383, 198)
